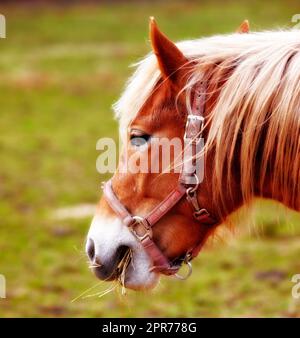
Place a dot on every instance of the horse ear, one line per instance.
(244, 27)
(170, 59)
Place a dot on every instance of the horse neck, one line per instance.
(281, 179)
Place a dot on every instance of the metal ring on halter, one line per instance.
(190, 270)
(191, 190)
(138, 219)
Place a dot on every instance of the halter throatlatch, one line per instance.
(187, 187)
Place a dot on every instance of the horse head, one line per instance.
(151, 221)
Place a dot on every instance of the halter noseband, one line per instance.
(141, 227)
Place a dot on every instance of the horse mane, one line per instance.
(256, 110)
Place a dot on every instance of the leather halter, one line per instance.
(187, 187)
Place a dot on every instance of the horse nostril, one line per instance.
(90, 249)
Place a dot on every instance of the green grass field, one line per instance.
(61, 68)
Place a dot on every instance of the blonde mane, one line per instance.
(262, 88)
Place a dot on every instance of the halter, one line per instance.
(187, 187)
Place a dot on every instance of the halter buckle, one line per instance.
(199, 124)
(137, 224)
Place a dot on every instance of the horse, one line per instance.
(240, 93)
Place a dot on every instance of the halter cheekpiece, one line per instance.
(188, 185)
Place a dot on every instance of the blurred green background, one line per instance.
(61, 68)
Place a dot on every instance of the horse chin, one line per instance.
(140, 280)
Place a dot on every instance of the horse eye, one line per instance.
(139, 140)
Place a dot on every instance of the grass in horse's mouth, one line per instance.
(120, 276)
(120, 280)
(121, 269)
